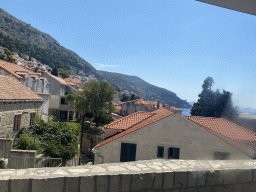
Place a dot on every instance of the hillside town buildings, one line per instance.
(59, 106)
(133, 106)
(18, 105)
(34, 81)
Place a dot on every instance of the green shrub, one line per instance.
(26, 142)
(57, 140)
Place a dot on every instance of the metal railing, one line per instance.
(16, 162)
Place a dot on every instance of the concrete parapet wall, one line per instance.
(5, 147)
(148, 176)
(18, 160)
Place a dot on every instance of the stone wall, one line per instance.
(147, 176)
(5, 147)
(73, 162)
(45, 105)
(9, 109)
(17, 159)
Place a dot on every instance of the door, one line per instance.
(128, 152)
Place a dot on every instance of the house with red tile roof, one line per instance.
(18, 105)
(34, 81)
(133, 106)
(168, 135)
(74, 82)
(59, 107)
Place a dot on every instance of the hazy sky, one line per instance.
(174, 44)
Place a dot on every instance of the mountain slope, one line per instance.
(22, 38)
(16, 35)
(133, 84)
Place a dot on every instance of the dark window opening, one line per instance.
(128, 152)
(62, 101)
(160, 151)
(173, 153)
(221, 156)
(71, 114)
(32, 118)
(17, 120)
(63, 115)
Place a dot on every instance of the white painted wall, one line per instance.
(173, 131)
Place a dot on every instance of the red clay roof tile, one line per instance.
(14, 69)
(12, 89)
(224, 127)
(128, 121)
(155, 116)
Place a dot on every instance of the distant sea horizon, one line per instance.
(185, 111)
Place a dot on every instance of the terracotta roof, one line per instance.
(224, 127)
(156, 116)
(118, 107)
(12, 89)
(115, 104)
(71, 83)
(175, 109)
(73, 80)
(60, 80)
(128, 121)
(14, 69)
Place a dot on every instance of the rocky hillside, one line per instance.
(132, 84)
(22, 38)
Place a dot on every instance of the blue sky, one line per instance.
(171, 44)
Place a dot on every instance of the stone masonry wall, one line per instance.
(139, 176)
(9, 109)
(5, 147)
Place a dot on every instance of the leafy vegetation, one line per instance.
(65, 73)
(93, 103)
(214, 103)
(125, 97)
(54, 139)
(27, 142)
(7, 56)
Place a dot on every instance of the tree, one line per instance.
(54, 139)
(8, 54)
(125, 98)
(65, 73)
(93, 103)
(214, 103)
(55, 71)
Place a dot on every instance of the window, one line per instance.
(221, 156)
(160, 151)
(62, 101)
(173, 153)
(128, 152)
(32, 118)
(17, 120)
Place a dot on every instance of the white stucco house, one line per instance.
(165, 134)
